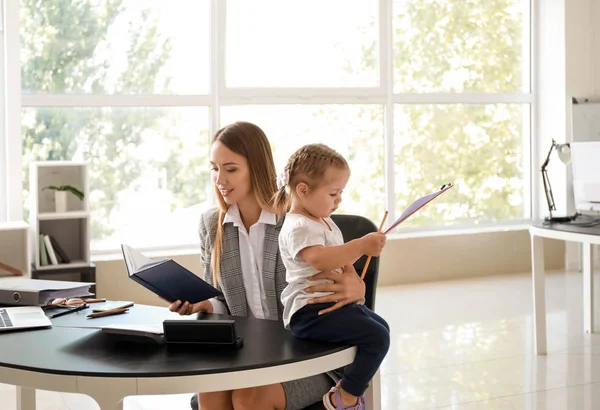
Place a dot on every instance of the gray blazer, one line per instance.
(231, 282)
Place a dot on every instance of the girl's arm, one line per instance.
(325, 258)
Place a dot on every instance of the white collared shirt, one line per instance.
(252, 245)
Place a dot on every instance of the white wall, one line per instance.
(408, 260)
(568, 57)
(582, 78)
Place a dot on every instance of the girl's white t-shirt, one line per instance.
(297, 233)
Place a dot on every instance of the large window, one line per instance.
(310, 43)
(355, 131)
(414, 93)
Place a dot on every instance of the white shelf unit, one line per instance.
(14, 247)
(71, 229)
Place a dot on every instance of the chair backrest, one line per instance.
(353, 227)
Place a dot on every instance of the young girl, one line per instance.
(310, 242)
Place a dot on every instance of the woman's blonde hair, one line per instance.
(249, 141)
(307, 165)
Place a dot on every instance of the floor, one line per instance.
(459, 345)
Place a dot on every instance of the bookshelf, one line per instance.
(71, 226)
(14, 247)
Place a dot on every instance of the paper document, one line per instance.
(41, 285)
(154, 329)
(418, 204)
(136, 262)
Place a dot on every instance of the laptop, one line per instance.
(22, 317)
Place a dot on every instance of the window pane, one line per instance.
(356, 131)
(114, 47)
(458, 45)
(148, 171)
(479, 148)
(308, 43)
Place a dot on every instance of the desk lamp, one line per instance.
(564, 154)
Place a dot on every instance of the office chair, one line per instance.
(352, 227)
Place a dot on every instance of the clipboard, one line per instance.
(416, 205)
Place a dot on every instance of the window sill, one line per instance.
(186, 250)
(464, 230)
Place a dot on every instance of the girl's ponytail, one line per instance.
(281, 200)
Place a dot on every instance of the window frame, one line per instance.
(11, 132)
(3, 139)
(220, 95)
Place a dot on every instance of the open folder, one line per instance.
(166, 278)
(415, 206)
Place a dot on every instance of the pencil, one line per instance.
(107, 313)
(364, 272)
(66, 312)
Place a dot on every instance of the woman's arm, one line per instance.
(346, 288)
(213, 305)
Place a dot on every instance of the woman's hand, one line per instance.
(347, 288)
(188, 308)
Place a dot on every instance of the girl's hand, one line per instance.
(188, 308)
(347, 288)
(373, 243)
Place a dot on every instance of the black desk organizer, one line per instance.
(208, 333)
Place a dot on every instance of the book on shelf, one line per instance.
(43, 251)
(59, 250)
(166, 278)
(56, 254)
(50, 250)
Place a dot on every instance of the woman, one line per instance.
(240, 254)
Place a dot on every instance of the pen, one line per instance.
(107, 313)
(66, 312)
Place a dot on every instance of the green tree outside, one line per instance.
(452, 46)
(466, 46)
(61, 53)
